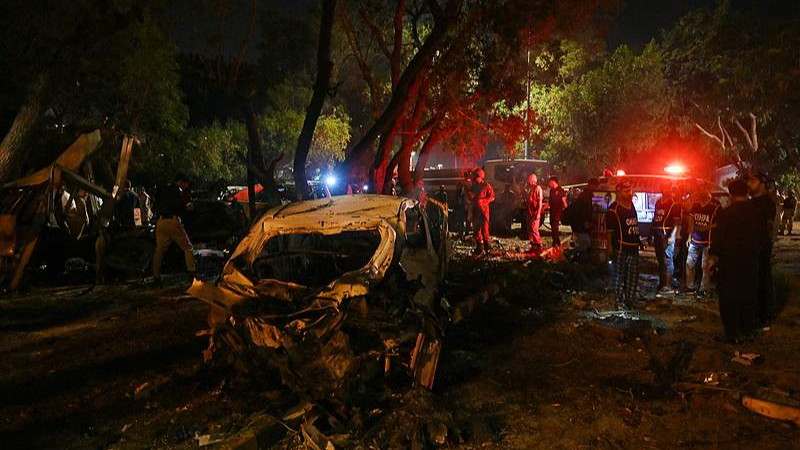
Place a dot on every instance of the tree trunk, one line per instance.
(379, 170)
(324, 69)
(402, 95)
(12, 148)
(253, 158)
(425, 154)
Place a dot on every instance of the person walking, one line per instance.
(789, 210)
(622, 225)
(481, 194)
(758, 185)
(557, 203)
(535, 204)
(666, 221)
(702, 219)
(169, 205)
(737, 243)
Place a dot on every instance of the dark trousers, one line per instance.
(766, 290)
(625, 264)
(555, 224)
(665, 257)
(737, 285)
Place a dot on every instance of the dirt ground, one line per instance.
(547, 363)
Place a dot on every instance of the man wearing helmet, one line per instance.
(535, 203)
(481, 194)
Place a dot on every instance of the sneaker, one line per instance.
(665, 291)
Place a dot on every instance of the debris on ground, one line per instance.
(747, 359)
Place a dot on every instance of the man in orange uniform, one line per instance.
(481, 193)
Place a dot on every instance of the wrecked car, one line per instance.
(333, 294)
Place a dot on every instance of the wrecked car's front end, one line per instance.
(333, 294)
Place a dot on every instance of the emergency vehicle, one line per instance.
(647, 189)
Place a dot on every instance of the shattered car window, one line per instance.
(313, 259)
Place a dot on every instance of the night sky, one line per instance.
(643, 20)
(639, 22)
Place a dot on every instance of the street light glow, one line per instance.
(620, 173)
(330, 181)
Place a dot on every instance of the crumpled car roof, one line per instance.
(326, 216)
(342, 208)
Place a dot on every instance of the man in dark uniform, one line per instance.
(787, 215)
(125, 209)
(481, 194)
(702, 220)
(622, 224)
(170, 204)
(441, 195)
(767, 210)
(667, 219)
(557, 203)
(582, 220)
(737, 243)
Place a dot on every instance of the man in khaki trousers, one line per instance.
(169, 205)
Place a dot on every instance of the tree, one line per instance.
(458, 63)
(321, 86)
(608, 114)
(86, 64)
(734, 71)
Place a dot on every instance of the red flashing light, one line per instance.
(620, 173)
(675, 169)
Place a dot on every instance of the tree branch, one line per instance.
(245, 43)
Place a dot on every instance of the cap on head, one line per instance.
(738, 188)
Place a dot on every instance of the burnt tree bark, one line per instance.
(321, 87)
(12, 148)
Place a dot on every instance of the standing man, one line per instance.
(622, 225)
(789, 210)
(759, 193)
(441, 195)
(557, 203)
(582, 220)
(702, 219)
(170, 204)
(482, 194)
(125, 209)
(737, 243)
(535, 203)
(668, 217)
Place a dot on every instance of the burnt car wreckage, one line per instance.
(29, 205)
(333, 294)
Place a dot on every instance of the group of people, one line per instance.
(700, 245)
(472, 209)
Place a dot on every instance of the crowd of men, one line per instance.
(701, 247)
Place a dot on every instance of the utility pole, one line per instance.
(528, 102)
